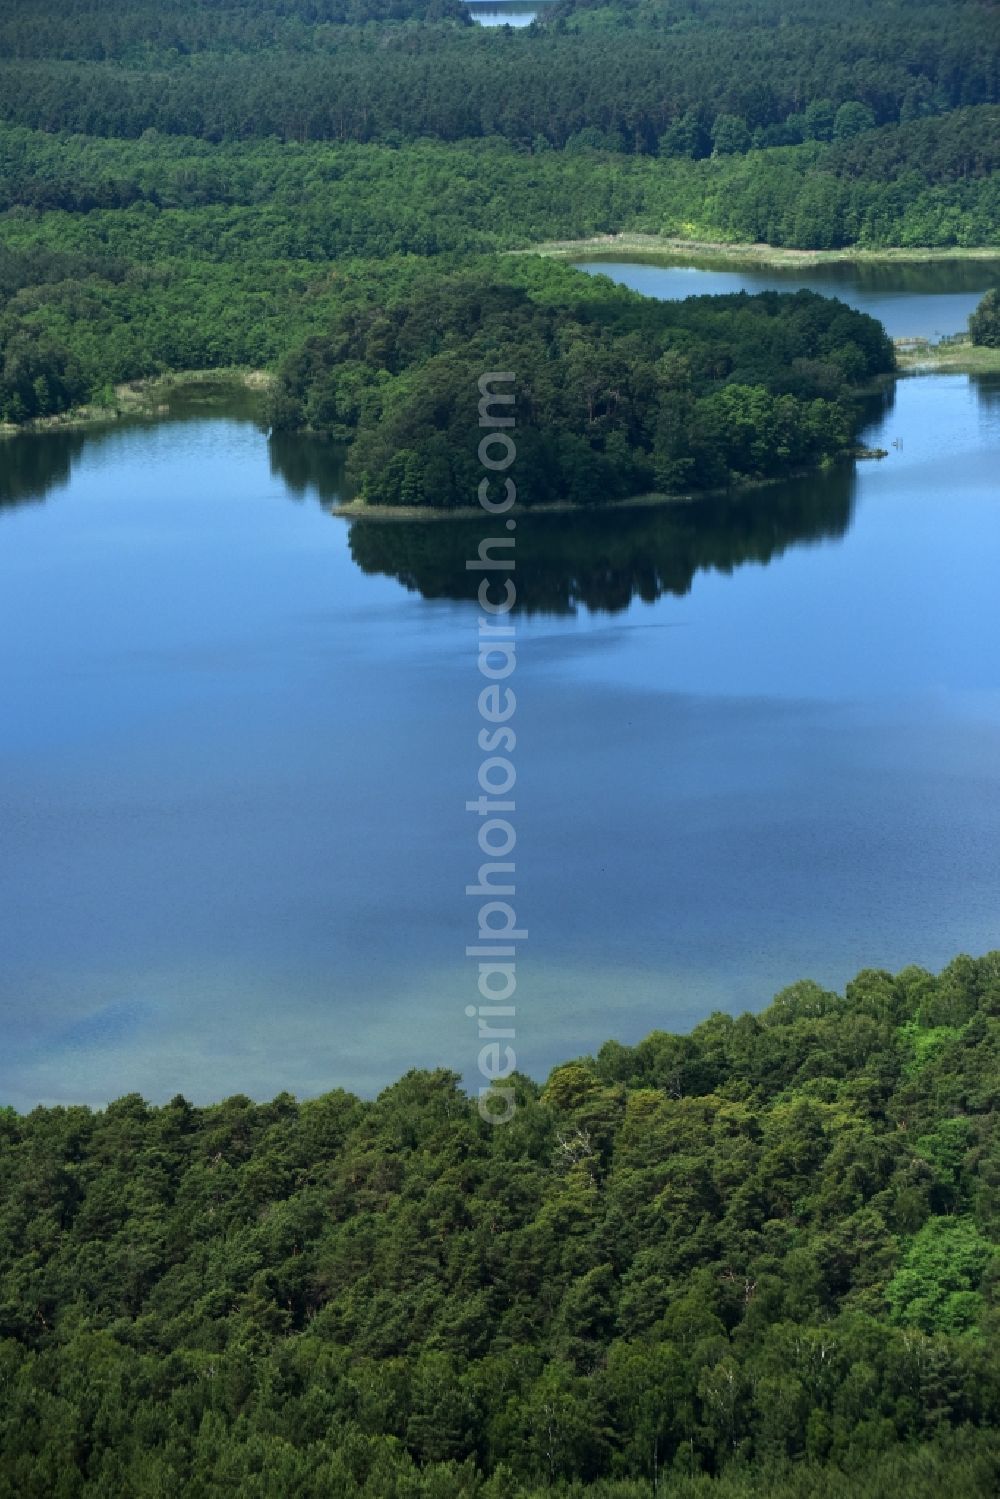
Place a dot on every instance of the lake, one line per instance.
(759, 739)
(931, 300)
(505, 12)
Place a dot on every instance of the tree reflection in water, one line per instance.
(602, 560)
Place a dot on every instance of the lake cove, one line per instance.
(913, 299)
(758, 739)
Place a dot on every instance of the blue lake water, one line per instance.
(913, 300)
(759, 739)
(504, 12)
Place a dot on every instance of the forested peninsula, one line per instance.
(616, 395)
(757, 1259)
(251, 184)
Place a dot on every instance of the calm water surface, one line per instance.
(913, 301)
(505, 12)
(758, 740)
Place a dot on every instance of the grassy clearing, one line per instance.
(655, 247)
(954, 356)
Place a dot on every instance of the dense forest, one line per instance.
(320, 201)
(618, 394)
(189, 185)
(761, 1258)
(984, 324)
(615, 395)
(662, 78)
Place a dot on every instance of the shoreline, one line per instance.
(149, 399)
(355, 510)
(152, 397)
(672, 249)
(952, 356)
(648, 500)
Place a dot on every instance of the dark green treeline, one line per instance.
(759, 1258)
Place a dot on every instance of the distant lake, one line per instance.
(759, 739)
(912, 300)
(504, 12)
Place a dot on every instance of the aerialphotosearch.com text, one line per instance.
(495, 805)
